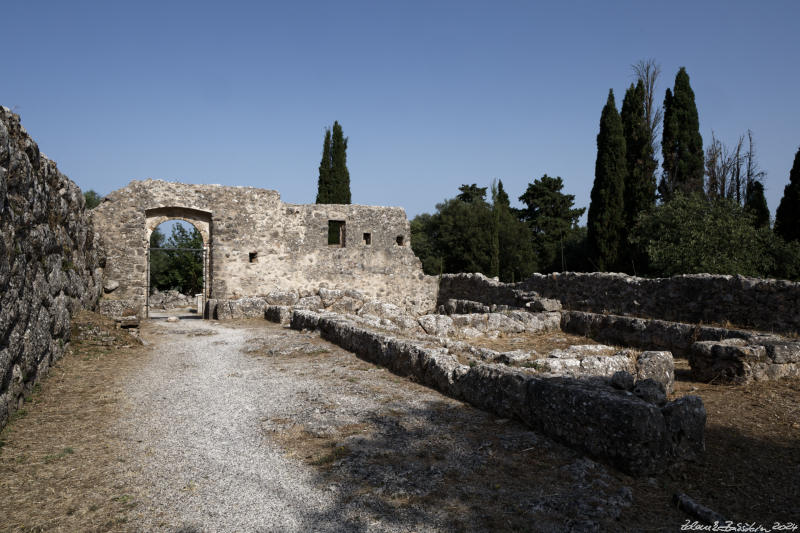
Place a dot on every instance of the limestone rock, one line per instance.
(438, 325)
(659, 366)
(622, 380)
(110, 285)
(650, 391)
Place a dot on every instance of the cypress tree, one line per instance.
(605, 223)
(340, 176)
(324, 184)
(640, 186)
(681, 144)
(787, 218)
(756, 204)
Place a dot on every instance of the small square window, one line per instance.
(252, 257)
(400, 240)
(368, 239)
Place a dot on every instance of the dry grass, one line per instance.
(542, 343)
(60, 461)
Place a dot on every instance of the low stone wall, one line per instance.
(770, 305)
(636, 436)
(49, 262)
(644, 333)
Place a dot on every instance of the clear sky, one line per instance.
(431, 94)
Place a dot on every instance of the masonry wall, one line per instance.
(765, 304)
(49, 262)
(257, 243)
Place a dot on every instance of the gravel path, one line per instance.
(195, 417)
(252, 427)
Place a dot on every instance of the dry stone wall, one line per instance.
(769, 305)
(257, 244)
(49, 262)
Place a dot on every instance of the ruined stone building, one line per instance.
(255, 243)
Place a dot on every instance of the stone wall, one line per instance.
(257, 244)
(49, 262)
(769, 305)
(634, 435)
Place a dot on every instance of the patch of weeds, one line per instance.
(19, 414)
(352, 380)
(126, 500)
(67, 265)
(60, 455)
(318, 351)
(334, 455)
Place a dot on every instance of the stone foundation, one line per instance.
(614, 425)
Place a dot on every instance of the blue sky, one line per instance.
(431, 94)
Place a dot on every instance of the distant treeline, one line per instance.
(704, 212)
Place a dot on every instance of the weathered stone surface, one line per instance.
(309, 302)
(590, 365)
(658, 366)
(768, 304)
(729, 360)
(620, 428)
(650, 391)
(170, 299)
(438, 325)
(110, 285)
(49, 262)
(280, 314)
(258, 245)
(622, 380)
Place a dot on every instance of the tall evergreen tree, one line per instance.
(606, 219)
(681, 144)
(640, 186)
(340, 176)
(787, 218)
(497, 208)
(333, 186)
(756, 204)
(324, 185)
(552, 219)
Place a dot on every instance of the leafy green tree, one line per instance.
(640, 185)
(787, 218)
(333, 185)
(681, 144)
(467, 234)
(606, 219)
(92, 199)
(756, 204)
(180, 269)
(691, 234)
(550, 215)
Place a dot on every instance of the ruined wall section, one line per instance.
(258, 244)
(49, 262)
(765, 304)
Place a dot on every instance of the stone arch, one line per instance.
(201, 220)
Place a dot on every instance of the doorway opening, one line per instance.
(177, 270)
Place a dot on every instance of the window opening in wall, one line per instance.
(336, 233)
(399, 240)
(368, 238)
(252, 257)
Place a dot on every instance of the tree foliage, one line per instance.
(639, 192)
(681, 144)
(605, 223)
(468, 234)
(333, 185)
(691, 234)
(552, 221)
(92, 199)
(180, 270)
(755, 203)
(787, 217)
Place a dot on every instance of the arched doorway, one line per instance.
(179, 239)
